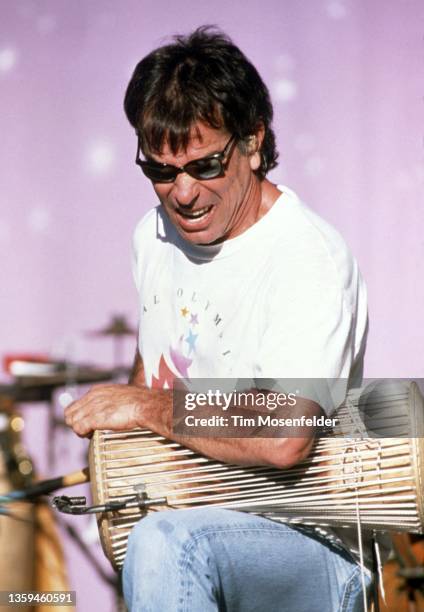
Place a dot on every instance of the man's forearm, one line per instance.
(126, 406)
(155, 412)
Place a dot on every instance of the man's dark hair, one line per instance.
(201, 77)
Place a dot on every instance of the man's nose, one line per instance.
(186, 189)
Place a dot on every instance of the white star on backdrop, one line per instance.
(285, 90)
(8, 59)
(100, 158)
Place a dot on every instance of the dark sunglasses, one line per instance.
(202, 169)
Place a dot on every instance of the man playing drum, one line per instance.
(237, 279)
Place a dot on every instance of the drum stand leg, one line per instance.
(375, 580)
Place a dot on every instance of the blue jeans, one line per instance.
(212, 559)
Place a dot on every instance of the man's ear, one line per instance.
(255, 145)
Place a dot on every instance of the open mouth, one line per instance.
(195, 215)
(195, 220)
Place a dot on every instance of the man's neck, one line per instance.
(270, 194)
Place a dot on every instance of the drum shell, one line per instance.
(115, 467)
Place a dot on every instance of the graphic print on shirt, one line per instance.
(193, 317)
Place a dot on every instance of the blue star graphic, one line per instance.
(191, 339)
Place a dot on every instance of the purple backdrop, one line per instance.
(347, 83)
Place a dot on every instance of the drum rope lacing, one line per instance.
(359, 430)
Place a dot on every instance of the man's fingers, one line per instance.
(82, 429)
(104, 407)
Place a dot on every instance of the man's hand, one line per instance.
(114, 407)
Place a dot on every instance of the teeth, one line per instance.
(197, 213)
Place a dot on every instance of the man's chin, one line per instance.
(199, 238)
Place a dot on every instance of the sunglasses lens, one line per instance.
(204, 169)
(159, 174)
(201, 169)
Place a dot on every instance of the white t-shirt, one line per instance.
(285, 299)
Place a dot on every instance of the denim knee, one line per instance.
(150, 537)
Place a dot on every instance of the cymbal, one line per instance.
(76, 374)
(40, 388)
(118, 326)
